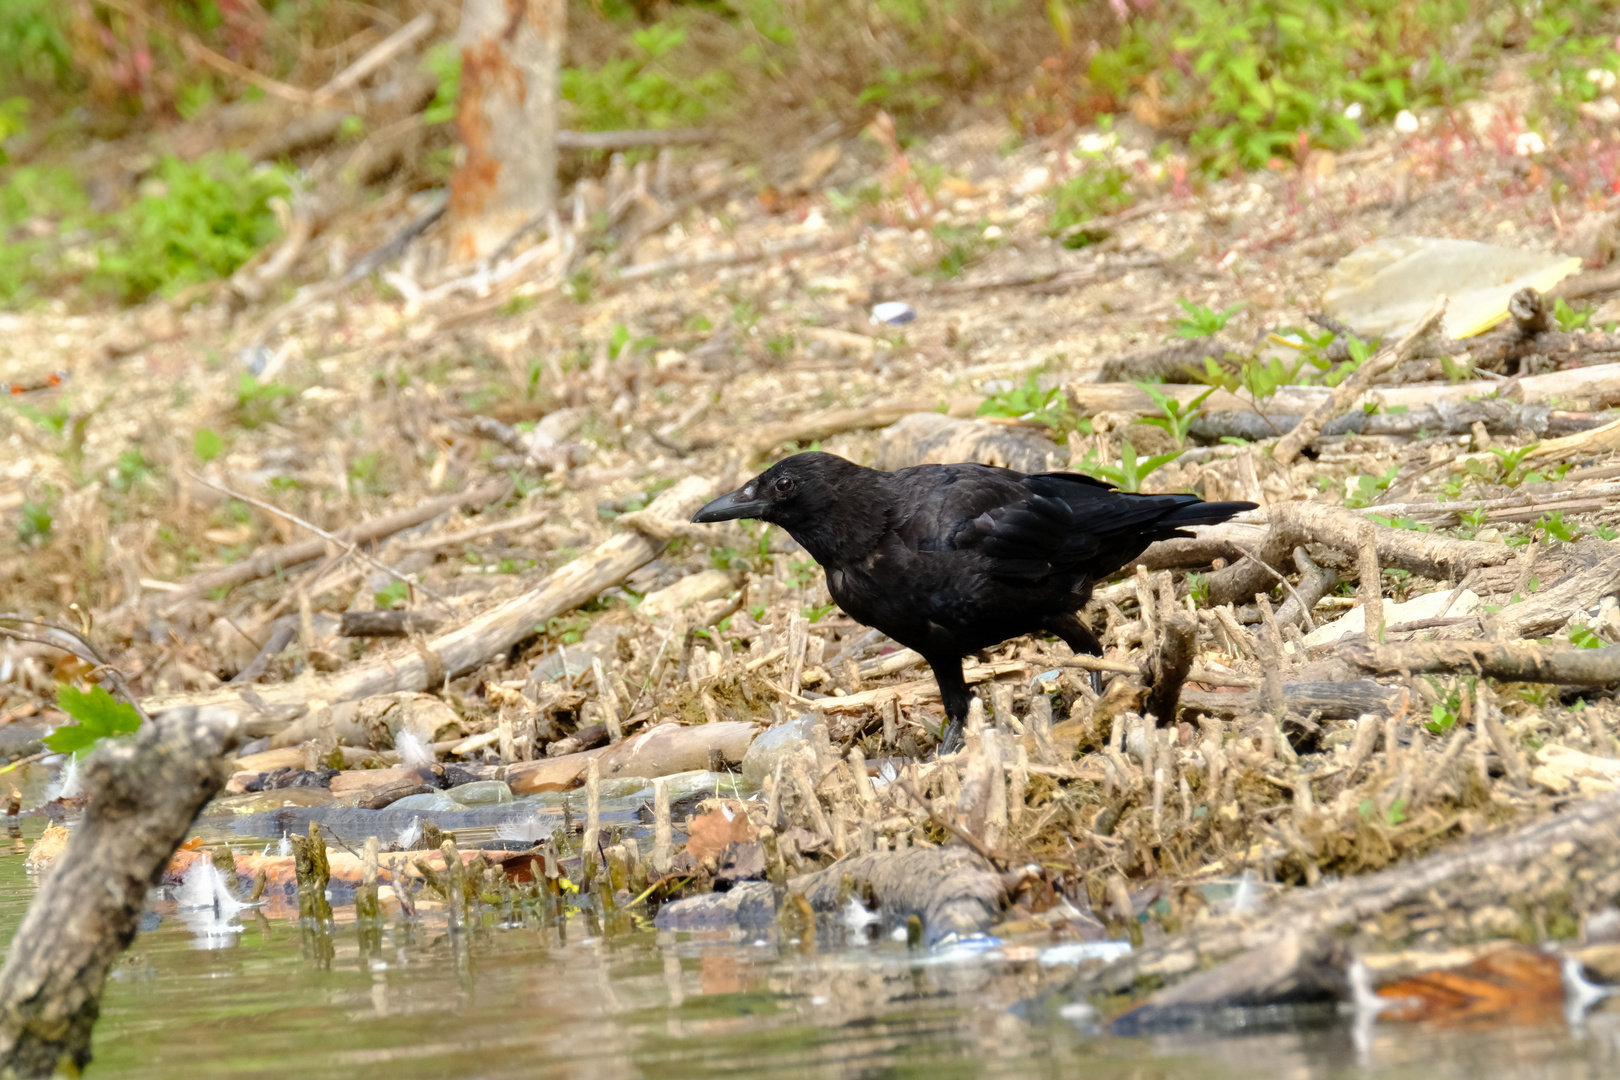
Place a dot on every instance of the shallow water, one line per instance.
(262, 997)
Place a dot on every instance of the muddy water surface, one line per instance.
(262, 997)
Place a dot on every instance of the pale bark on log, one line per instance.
(470, 644)
(144, 793)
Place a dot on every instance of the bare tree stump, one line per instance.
(144, 793)
(506, 119)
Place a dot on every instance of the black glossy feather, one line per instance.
(951, 559)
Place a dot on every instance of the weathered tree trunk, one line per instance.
(144, 793)
(507, 121)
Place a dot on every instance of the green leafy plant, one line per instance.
(199, 221)
(34, 524)
(391, 596)
(99, 716)
(255, 401)
(1568, 319)
(1131, 470)
(1030, 402)
(1256, 79)
(1097, 190)
(1202, 322)
(1177, 418)
(1443, 714)
(566, 629)
(639, 90)
(1583, 637)
(1366, 489)
(1510, 464)
(206, 445)
(129, 470)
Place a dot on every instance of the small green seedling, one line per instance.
(99, 717)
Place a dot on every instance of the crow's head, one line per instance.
(796, 492)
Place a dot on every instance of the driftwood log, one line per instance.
(1565, 867)
(466, 646)
(951, 889)
(144, 793)
(1323, 700)
(1518, 661)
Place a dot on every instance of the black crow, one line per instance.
(951, 559)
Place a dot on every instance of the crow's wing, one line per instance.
(1028, 527)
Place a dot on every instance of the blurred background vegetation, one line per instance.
(134, 158)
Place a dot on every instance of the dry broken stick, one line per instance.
(353, 547)
(280, 558)
(1345, 394)
(1293, 524)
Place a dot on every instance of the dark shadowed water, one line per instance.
(261, 997)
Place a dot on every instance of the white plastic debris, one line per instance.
(893, 313)
(1382, 287)
(1428, 606)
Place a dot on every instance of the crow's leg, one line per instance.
(1079, 638)
(953, 690)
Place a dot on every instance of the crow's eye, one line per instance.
(784, 484)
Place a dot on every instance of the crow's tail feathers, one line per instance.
(1204, 513)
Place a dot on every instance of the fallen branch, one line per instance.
(470, 644)
(280, 558)
(352, 547)
(1518, 661)
(378, 56)
(631, 138)
(144, 793)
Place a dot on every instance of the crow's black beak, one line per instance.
(730, 507)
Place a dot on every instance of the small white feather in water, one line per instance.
(524, 830)
(207, 906)
(66, 785)
(413, 752)
(856, 917)
(409, 835)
